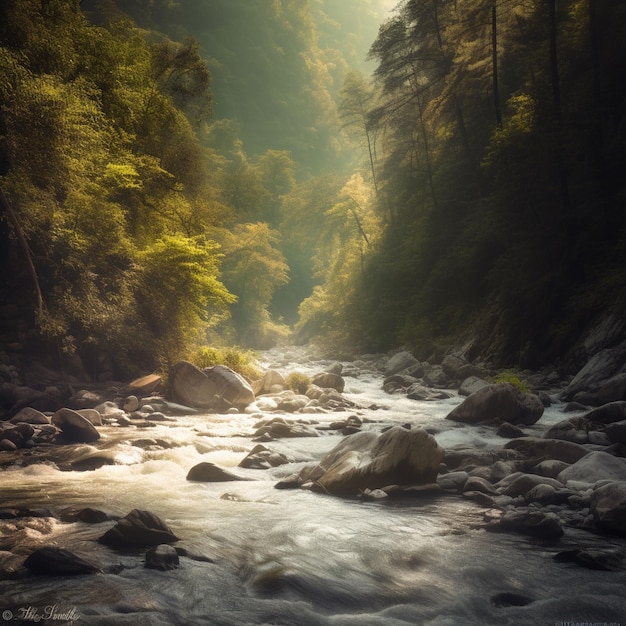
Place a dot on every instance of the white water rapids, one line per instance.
(290, 557)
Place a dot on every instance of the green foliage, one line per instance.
(298, 382)
(239, 360)
(512, 377)
(179, 292)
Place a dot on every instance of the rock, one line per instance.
(532, 522)
(23, 397)
(451, 365)
(475, 483)
(29, 415)
(261, 457)
(601, 367)
(500, 403)
(418, 391)
(327, 380)
(399, 362)
(523, 483)
(131, 403)
(453, 480)
(436, 377)
(608, 506)
(75, 428)
(544, 449)
(213, 388)
(268, 383)
(612, 390)
(210, 473)
(279, 428)
(616, 432)
(510, 431)
(595, 466)
(471, 385)
(138, 529)
(398, 382)
(368, 460)
(163, 557)
(92, 415)
(6, 445)
(87, 515)
(54, 561)
(605, 559)
(550, 468)
(290, 402)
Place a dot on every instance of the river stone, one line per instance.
(55, 561)
(452, 364)
(213, 388)
(545, 449)
(595, 466)
(368, 460)
(471, 385)
(138, 529)
(399, 362)
(605, 559)
(327, 380)
(608, 506)
(523, 483)
(131, 403)
(616, 432)
(92, 415)
(206, 472)
(29, 415)
(550, 468)
(163, 557)
(500, 403)
(75, 427)
(533, 523)
(261, 457)
(476, 483)
(268, 383)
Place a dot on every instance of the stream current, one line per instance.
(290, 557)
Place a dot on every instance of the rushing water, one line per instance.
(289, 557)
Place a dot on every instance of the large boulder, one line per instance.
(595, 466)
(368, 460)
(328, 380)
(399, 362)
(608, 506)
(577, 428)
(75, 427)
(601, 367)
(55, 561)
(138, 529)
(270, 382)
(216, 388)
(501, 402)
(538, 450)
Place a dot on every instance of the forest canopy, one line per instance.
(179, 174)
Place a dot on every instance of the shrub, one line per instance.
(241, 361)
(298, 382)
(510, 376)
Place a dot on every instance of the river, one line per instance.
(290, 557)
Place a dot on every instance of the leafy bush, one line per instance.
(298, 382)
(510, 376)
(240, 361)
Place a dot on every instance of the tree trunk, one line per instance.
(494, 62)
(28, 257)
